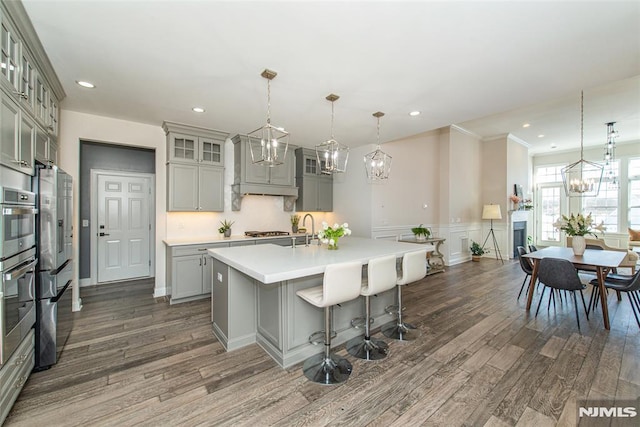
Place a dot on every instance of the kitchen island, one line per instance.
(254, 295)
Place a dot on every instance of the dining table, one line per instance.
(602, 261)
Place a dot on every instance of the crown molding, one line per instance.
(465, 131)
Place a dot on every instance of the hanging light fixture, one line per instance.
(268, 144)
(377, 163)
(582, 178)
(332, 155)
(610, 155)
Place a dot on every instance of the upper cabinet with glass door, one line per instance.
(10, 57)
(190, 144)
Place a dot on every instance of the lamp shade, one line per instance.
(491, 212)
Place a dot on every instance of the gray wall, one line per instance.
(94, 155)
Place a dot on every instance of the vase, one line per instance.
(294, 229)
(334, 246)
(516, 206)
(421, 238)
(227, 232)
(579, 245)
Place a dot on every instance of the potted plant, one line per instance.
(295, 220)
(476, 251)
(225, 228)
(422, 233)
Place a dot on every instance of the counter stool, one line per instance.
(381, 276)
(341, 283)
(414, 268)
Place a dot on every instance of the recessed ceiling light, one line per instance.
(526, 125)
(198, 109)
(85, 84)
(541, 136)
(414, 113)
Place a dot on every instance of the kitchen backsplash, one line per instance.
(258, 213)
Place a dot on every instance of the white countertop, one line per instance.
(272, 263)
(218, 238)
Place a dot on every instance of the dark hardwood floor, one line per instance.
(481, 360)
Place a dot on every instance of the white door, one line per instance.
(124, 228)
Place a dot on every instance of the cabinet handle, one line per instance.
(21, 381)
(200, 262)
(21, 95)
(205, 261)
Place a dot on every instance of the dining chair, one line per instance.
(527, 266)
(627, 284)
(532, 248)
(560, 274)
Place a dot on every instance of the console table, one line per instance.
(435, 259)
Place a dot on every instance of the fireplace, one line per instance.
(519, 236)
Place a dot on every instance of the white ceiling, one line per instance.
(485, 66)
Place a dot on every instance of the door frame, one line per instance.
(93, 278)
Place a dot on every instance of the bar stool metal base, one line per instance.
(327, 370)
(367, 349)
(400, 332)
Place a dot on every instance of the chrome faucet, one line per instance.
(313, 227)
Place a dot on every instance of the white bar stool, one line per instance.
(341, 283)
(414, 268)
(381, 276)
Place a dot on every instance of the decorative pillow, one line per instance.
(634, 234)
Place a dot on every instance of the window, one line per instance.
(549, 197)
(604, 206)
(634, 194)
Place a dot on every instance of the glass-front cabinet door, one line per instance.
(10, 57)
(183, 148)
(210, 151)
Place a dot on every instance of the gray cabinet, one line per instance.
(14, 374)
(315, 189)
(46, 150)
(10, 52)
(194, 145)
(195, 172)
(189, 271)
(194, 188)
(250, 178)
(17, 136)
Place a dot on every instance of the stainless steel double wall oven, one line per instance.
(17, 267)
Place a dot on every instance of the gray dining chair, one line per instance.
(527, 266)
(560, 274)
(625, 284)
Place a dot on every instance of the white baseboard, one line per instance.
(77, 305)
(159, 292)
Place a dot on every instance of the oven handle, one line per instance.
(20, 270)
(19, 210)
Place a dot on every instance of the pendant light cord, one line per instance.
(332, 137)
(268, 101)
(378, 146)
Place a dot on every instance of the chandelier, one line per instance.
(268, 144)
(377, 163)
(582, 178)
(332, 155)
(610, 155)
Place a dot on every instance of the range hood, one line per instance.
(258, 179)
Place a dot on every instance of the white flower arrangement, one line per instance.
(330, 235)
(579, 225)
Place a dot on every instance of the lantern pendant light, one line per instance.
(377, 163)
(332, 156)
(268, 144)
(582, 178)
(610, 156)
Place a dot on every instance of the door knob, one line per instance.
(103, 234)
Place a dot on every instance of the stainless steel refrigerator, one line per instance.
(54, 318)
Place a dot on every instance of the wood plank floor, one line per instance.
(481, 360)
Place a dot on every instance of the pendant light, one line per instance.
(268, 144)
(610, 156)
(332, 155)
(377, 163)
(582, 178)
